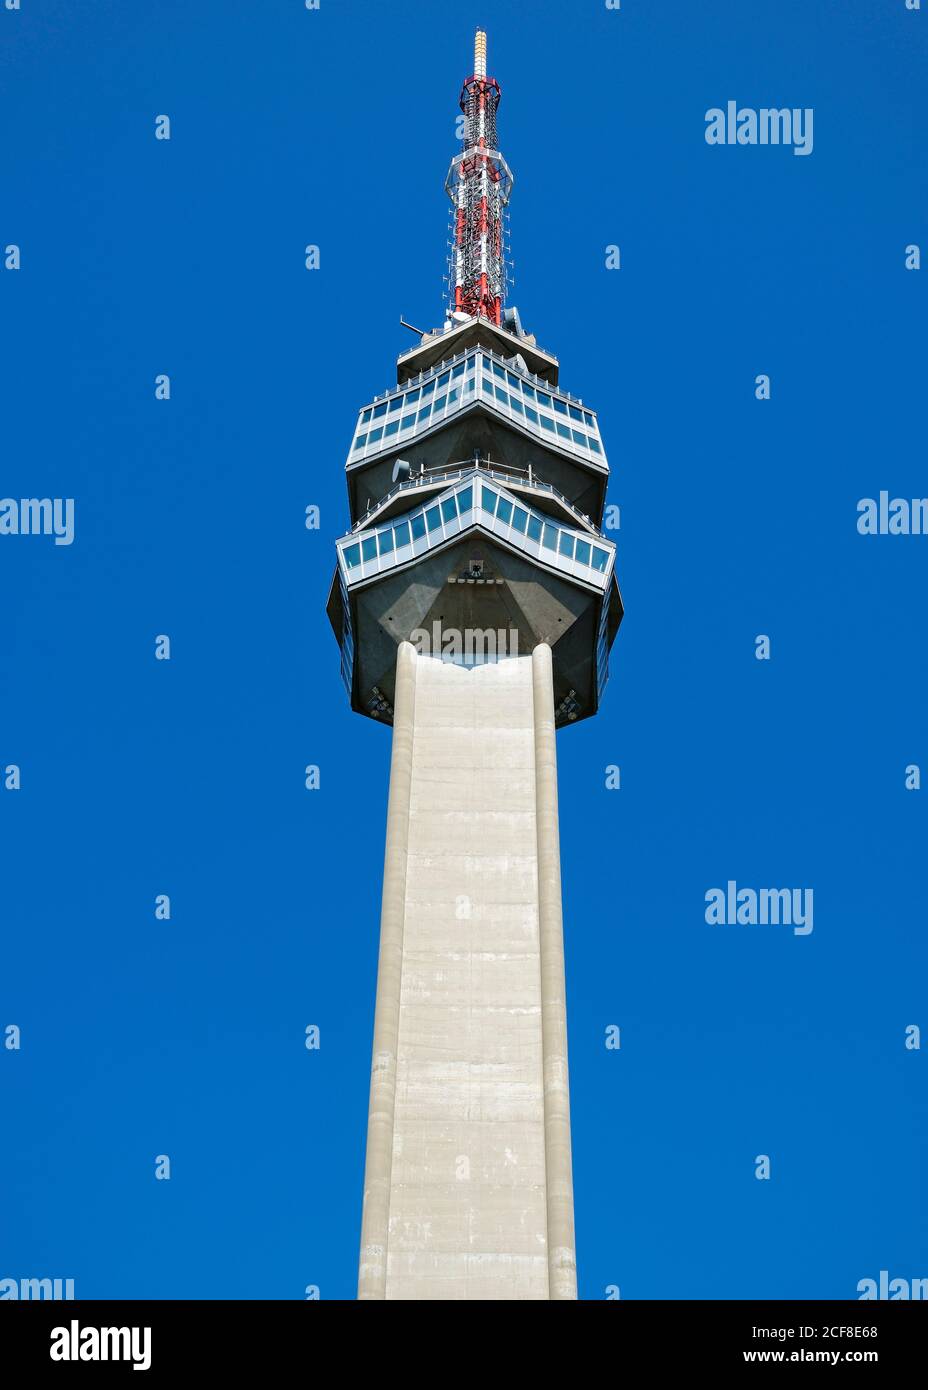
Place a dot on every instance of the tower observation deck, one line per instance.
(475, 602)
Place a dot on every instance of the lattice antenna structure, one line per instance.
(479, 183)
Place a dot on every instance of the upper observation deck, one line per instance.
(542, 427)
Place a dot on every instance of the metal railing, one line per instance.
(486, 468)
(448, 362)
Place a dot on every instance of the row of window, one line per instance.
(550, 535)
(545, 421)
(395, 403)
(534, 393)
(427, 400)
(602, 650)
(403, 533)
(415, 417)
(509, 513)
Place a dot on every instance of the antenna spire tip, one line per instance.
(480, 53)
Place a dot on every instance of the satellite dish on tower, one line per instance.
(400, 471)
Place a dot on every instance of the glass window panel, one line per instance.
(504, 511)
(427, 389)
(487, 385)
(401, 533)
(380, 410)
(516, 404)
(448, 509)
(408, 420)
(549, 537)
(386, 542)
(392, 427)
(578, 438)
(444, 379)
(519, 519)
(433, 518)
(562, 430)
(365, 417)
(575, 414)
(600, 559)
(452, 395)
(594, 445)
(489, 499)
(560, 406)
(499, 371)
(534, 528)
(369, 548)
(547, 424)
(439, 403)
(361, 440)
(566, 546)
(501, 395)
(424, 413)
(412, 397)
(396, 403)
(418, 527)
(375, 435)
(513, 381)
(531, 414)
(583, 552)
(528, 391)
(352, 555)
(459, 369)
(465, 499)
(544, 400)
(588, 419)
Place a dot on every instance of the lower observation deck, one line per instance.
(477, 556)
(582, 554)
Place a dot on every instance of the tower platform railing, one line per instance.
(433, 477)
(446, 362)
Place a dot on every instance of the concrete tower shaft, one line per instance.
(467, 1189)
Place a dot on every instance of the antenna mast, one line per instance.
(479, 183)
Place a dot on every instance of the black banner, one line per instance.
(160, 1338)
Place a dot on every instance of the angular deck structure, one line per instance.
(475, 602)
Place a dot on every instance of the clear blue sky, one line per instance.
(185, 777)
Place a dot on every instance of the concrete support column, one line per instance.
(372, 1277)
(562, 1260)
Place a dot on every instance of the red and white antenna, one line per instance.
(479, 183)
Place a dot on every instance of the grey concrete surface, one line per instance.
(468, 1178)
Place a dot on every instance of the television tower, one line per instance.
(475, 603)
